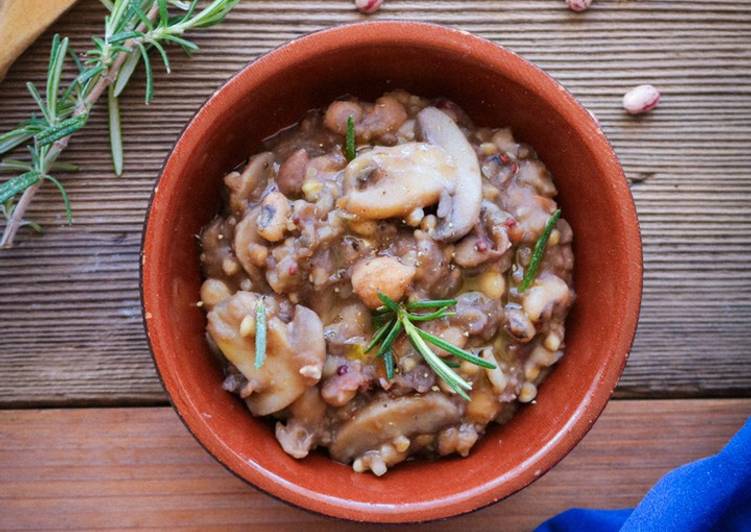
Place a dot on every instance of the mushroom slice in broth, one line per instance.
(460, 206)
(390, 182)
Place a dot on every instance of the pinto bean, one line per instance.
(386, 116)
(477, 314)
(292, 173)
(342, 387)
(338, 113)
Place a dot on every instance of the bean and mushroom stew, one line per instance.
(387, 279)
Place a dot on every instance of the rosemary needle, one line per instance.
(539, 251)
(378, 336)
(350, 150)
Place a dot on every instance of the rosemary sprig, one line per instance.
(350, 149)
(260, 334)
(539, 251)
(399, 317)
(131, 29)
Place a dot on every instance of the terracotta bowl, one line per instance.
(496, 88)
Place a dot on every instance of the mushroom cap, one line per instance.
(385, 419)
(388, 182)
(460, 210)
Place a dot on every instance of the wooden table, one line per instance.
(72, 345)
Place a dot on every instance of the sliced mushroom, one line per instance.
(250, 249)
(386, 419)
(300, 434)
(250, 184)
(294, 355)
(218, 259)
(392, 182)
(272, 220)
(459, 211)
(518, 324)
(488, 240)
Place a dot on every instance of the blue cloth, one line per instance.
(710, 494)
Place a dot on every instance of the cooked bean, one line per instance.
(213, 291)
(547, 291)
(386, 116)
(338, 113)
(381, 274)
(292, 173)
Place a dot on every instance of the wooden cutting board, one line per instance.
(22, 21)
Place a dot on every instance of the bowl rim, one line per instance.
(575, 427)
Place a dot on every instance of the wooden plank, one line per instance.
(71, 319)
(128, 467)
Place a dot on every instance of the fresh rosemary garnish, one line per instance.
(260, 334)
(131, 29)
(539, 251)
(350, 149)
(396, 317)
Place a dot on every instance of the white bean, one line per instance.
(641, 99)
(527, 393)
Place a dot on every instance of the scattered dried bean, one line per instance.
(641, 99)
(368, 6)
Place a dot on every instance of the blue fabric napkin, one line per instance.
(710, 494)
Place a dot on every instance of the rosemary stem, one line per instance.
(108, 77)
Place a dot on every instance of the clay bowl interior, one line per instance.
(496, 88)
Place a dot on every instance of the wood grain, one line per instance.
(69, 304)
(139, 467)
